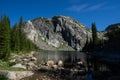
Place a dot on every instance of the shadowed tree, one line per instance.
(15, 39)
(94, 35)
(4, 37)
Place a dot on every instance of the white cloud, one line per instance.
(96, 7)
(86, 7)
(77, 8)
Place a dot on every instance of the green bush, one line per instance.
(11, 63)
(2, 77)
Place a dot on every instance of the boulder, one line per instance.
(50, 63)
(19, 66)
(44, 67)
(13, 60)
(31, 66)
(80, 62)
(55, 66)
(16, 75)
(33, 59)
(60, 63)
(25, 60)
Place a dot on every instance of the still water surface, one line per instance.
(96, 66)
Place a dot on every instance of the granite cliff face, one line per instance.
(57, 33)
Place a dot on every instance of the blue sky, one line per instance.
(102, 12)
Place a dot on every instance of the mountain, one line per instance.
(113, 35)
(113, 27)
(57, 33)
(66, 34)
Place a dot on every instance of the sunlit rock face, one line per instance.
(57, 33)
(31, 31)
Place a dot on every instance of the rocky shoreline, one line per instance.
(25, 62)
(50, 70)
(30, 68)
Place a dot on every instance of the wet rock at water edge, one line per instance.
(50, 63)
(60, 63)
(16, 75)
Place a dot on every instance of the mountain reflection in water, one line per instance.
(96, 67)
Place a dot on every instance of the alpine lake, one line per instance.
(93, 66)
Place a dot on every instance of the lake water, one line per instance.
(96, 66)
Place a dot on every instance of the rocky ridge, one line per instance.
(57, 33)
(61, 33)
(113, 27)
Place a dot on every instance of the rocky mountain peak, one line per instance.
(59, 32)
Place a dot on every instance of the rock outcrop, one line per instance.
(57, 33)
(26, 61)
(15, 75)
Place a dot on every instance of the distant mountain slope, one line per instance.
(113, 27)
(113, 34)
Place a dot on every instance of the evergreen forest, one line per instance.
(13, 39)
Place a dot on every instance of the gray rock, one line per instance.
(61, 32)
(80, 62)
(16, 75)
(19, 66)
(31, 66)
(50, 63)
(13, 60)
(55, 66)
(33, 59)
(60, 63)
(44, 67)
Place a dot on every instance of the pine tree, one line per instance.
(85, 48)
(94, 35)
(22, 35)
(5, 37)
(25, 44)
(15, 40)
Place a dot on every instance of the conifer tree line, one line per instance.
(94, 43)
(13, 39)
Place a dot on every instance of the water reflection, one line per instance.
(93, 69)
(69, 56)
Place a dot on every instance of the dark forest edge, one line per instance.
(95, 44)
(110, 45)
(13, 39)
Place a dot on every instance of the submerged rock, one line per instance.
(80, 62)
